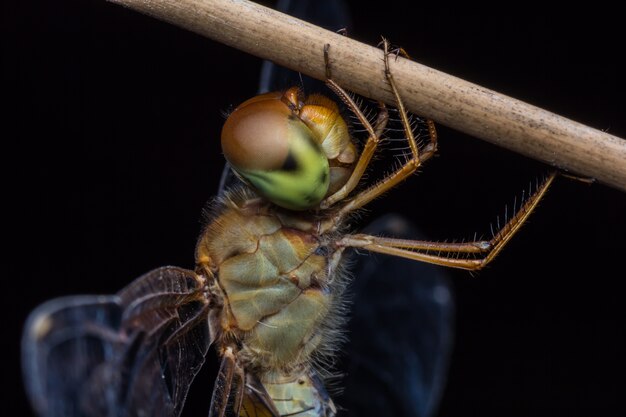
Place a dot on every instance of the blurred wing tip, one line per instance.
(41, 320)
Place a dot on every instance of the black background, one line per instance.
(113, 126)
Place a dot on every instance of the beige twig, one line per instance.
(453, 102)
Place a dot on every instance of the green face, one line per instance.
(302, 182)
(270, 147)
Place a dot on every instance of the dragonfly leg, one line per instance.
(240, 376)
(374, 134)
(418, 157)
(447, 254)
(223, 384)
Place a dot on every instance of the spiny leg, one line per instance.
(223, 384)
(240, 388)
(419, 250)
(229, 386)
(410, 166)
(374, 134)
(432, 146)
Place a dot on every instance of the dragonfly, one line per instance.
(269, 280)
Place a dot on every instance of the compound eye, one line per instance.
(270, 147)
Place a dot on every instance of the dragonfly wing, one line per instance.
(256, 401)
(130, 354)
(400, 367)
(228, 180)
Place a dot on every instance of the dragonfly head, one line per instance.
(269, 145)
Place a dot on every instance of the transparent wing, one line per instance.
(333, 15)
(401, 332)
(256, 401)
(228, 180)
(130, 354)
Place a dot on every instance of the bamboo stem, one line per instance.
(453, 102)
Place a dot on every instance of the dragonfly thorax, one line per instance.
(278, 286)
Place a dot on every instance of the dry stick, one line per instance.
(453, 102)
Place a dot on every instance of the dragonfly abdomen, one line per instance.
(301, 395)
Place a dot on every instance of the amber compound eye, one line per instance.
(268, 145)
